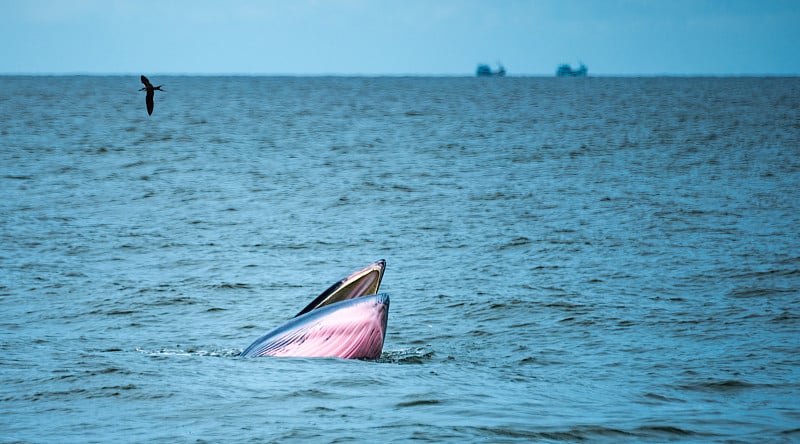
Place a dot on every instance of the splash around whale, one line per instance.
(348, 320)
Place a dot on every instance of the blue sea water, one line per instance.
(598, 259)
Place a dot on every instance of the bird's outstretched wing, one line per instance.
(149, 101)
(146, 82)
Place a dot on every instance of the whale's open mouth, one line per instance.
(359, 283)
(348, 320)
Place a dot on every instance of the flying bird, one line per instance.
(150, 93)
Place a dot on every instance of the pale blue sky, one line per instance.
(395, 37)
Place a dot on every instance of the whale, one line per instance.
(347, 321)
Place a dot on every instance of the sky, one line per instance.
(399, 37)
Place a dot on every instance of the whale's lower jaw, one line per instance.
(351, 329)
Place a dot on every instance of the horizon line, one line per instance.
(375, 75)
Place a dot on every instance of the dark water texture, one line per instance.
(601, 259)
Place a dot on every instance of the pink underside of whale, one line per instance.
(352, 329)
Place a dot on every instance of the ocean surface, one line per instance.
(596, 259)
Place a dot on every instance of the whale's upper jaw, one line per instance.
(365, 281)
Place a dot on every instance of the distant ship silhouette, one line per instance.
(566, 71)
(485, 71)
(150, 93)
